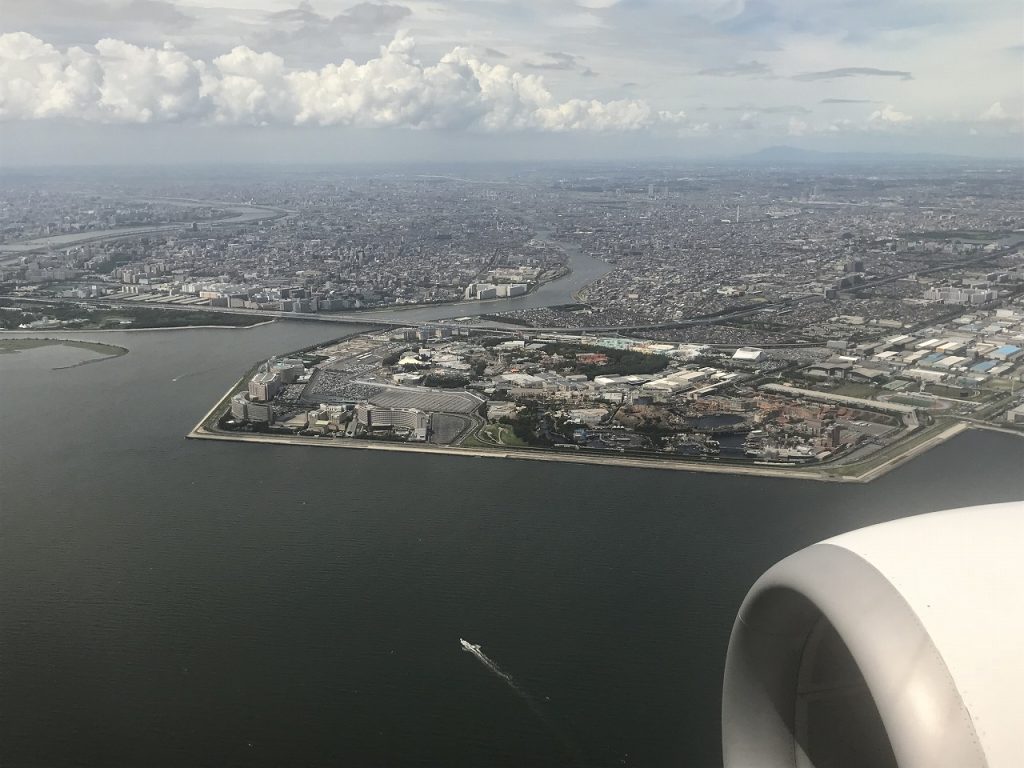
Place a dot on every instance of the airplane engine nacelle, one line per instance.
(901, 644)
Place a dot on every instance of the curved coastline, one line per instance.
(107, 351)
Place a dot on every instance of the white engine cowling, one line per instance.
(901, 644)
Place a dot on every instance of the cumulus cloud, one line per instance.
(843, 125)
(996, 118)
(993, 114)
(835, 74)
(672, 118)
(889, 116)
(116, 82)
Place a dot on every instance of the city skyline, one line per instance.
(255, 80)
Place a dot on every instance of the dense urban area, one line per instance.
(832, 317)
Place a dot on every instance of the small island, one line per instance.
(621, 401)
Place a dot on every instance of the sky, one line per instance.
(99, 81)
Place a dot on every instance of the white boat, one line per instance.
(468, 646)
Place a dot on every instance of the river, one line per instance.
(584, 270)
(172, 602)
(240, 214)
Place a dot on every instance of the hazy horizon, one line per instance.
(176, 147)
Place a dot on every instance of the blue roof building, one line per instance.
(1005, 352)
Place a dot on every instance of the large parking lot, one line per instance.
(336, 387)
(350, 376)
(425, 399)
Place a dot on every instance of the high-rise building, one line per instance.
(264, 386)
(835, 436)
(412, 419)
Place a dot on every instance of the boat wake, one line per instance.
(501, 674)
(484, 659)
(181, 376)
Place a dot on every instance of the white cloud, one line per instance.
(994, 114)
(139, 85)
(671, 118)
(118, 83)
(36, 80)
(594, 115)
(703, 129)
(122, 83)
(888, 116)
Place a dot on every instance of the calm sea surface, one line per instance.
(166, 602)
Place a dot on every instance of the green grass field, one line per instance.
(494, 436)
